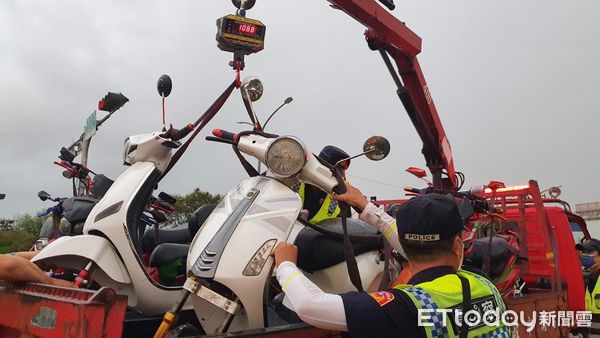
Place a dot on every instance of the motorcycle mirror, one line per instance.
(66, 155)
(67, 174)
(2, 196)
(243, 4)
(495, 185)
(167, 198)
(420, 173)
(252, 88)
(164, 85)
(554, 192)
(376, 148)
(43, 195)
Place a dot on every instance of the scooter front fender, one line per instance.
(75, 252)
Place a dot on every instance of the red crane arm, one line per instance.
(386, 33)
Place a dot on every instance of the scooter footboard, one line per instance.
(75, 252)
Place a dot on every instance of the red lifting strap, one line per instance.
(200, 123)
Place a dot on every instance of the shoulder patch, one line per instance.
(382, 297)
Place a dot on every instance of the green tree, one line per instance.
(16, 240)
(29, 223)
(187, 204)
(24, 233)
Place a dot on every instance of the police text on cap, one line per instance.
(425, 238)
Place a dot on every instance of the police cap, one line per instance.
(429, 218)
(333, 154)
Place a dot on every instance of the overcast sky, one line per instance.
(514, 82)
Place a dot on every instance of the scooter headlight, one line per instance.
(64, 226)
(78, 228)
(128, 152)
(286, 156)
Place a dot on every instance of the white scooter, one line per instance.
(229, 265)
(110, 248)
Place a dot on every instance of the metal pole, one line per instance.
(80, 139)
(85, 146)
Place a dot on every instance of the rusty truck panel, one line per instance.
(36, 310)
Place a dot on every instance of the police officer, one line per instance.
(589, 252)
(429, 228)
(318, 203)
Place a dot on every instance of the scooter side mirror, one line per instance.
(495, 185)
(243, 4)
(554, 192)
(376, 148)
(164, 85)
(252, 88)
(2, 196)
(43, 195)
(167, 198)
(67, 174)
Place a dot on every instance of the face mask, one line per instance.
(587, 261)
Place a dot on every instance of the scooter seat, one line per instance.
(199, 217)
(168, 252)
(500, 253)
(76, 209)
(177, 235)
(316, 251)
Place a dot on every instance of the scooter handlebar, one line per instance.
(55, 208)
(227, 135)
(412, 190)
(177, 134)
(44, 213)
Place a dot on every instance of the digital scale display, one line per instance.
(247, 29)
(240, 33)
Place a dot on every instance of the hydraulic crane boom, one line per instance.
(391, 36)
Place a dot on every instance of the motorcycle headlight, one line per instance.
(78, 228)
(128, 149)
(64, 226)
(286, 156)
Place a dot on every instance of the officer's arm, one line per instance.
(372, 215)
(384, 223)
(313, 306)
